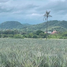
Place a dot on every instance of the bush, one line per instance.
(18, 36)
(35, 36)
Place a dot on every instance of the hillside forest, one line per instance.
(14, 29)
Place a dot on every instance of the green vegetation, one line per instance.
(36, 34)
(12, 25)
(19, 48)
(33, 53)
(53, 25)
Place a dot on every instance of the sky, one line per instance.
(32, 11)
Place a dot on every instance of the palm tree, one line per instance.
(46, 15)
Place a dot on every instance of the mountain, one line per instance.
(52, 25)
(12, 25)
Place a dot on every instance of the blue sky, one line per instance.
(32, 11)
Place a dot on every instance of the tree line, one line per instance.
(35, 34)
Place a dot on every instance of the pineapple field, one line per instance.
(31, 52)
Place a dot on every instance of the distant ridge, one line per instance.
(10, 25)
(52, 25)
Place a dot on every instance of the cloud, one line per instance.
(2, 1)
(55, 6)
(57, 0)
(34, 14)
(59, 7)
(32, 8)
(17, 7)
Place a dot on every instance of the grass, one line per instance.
(33, 52)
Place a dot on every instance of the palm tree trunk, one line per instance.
(47, 29)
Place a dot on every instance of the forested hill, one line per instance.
(12, 25)
(52, 25)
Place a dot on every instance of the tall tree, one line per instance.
(46, 15)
